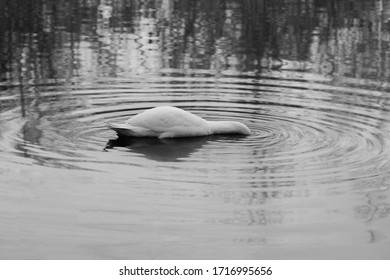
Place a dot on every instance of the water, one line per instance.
(310, 79)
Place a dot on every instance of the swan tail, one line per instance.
(121, 129)
(127, 130)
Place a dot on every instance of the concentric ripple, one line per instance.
(304, 130)
(316, 163)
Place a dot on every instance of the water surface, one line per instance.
(310, 79)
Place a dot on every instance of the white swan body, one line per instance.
(170, 122)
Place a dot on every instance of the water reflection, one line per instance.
(92, 39)
(159, 149)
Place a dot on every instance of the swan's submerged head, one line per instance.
(228, 127)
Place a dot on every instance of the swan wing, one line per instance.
(165, 118)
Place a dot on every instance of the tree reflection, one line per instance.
(69, 39)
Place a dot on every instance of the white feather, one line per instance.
(169, 122)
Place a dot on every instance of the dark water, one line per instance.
(310, 78)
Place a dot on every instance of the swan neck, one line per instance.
(221, 127)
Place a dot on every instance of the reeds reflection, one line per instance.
(67, 40)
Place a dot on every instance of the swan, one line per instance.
(171, 122)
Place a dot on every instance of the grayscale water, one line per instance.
(310, 79)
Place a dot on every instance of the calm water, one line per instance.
(310, 78)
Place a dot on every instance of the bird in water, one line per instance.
(172, 122)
